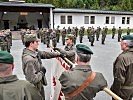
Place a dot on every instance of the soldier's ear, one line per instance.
(12, 66)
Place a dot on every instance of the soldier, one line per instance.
(11, 87)
(53, 36)
(106, 30)
(63, 33)
(74, 34)
(81, 34)
(113, 32)
(76, 30)
(88, 33)
(3, 41)
(32, 66)
(123, 70)
(119, 34)
(128, 31)
(92, 36)
(58, 34)
(103, 35)
(22, 33)
(98, 33)
(74, 81)
(47, 37)
(69, 30)
(69, 50)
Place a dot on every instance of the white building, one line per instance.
(89, 18)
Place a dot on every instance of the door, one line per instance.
(39, 23)
(6, 24)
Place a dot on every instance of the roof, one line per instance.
(60, 10)
(22, 4)
(25, 7)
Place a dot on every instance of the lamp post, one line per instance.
(84, 5)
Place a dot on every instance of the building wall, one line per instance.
(78, 20)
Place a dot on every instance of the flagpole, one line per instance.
(108, 91)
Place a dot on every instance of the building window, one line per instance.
(128, 20)
(86, 19)
(63, 20)
(123, 20)
(112, 20)
(92, 20)
(107, 20)
(69, 19)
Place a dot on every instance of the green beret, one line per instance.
(70, 36)
(81, 48)
(127, 37)
(30, 38)
(6, 57)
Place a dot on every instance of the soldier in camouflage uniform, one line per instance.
(22, 33)
(103, 36)
(53, 36)
(81, 34)
(98, 33)
(63, 33)
(128, 31)
(76, 30)
(74, 34)
(119, 34)
(57, 34)
(3, 42)
(47, 37)
(92, 36)
(113, 32)
(88, 33)
(69, 30)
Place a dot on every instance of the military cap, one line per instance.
(69, 36)
(127, 37)
(6, 57)
(30, 38)
(81, 48)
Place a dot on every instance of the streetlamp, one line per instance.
(84, 5)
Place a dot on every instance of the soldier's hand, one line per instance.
(62, 55)
(56, 49)
(43, 70)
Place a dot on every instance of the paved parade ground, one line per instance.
(102, 60)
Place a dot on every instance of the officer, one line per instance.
(74, 81)
(31, 62)
(113, 32)
(119, 34)
(123, 70)
(128, 31)
(11, 87)
(69, 50)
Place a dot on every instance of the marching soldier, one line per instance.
(119, 34)
(69, 30)
(113, 32)
(128, 31)
(63, 33)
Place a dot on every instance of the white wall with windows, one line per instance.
(95, 20)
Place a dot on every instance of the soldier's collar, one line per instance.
(83, 67)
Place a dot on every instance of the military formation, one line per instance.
(5, 40)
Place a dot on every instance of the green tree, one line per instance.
(126, 5)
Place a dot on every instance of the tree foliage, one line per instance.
(125, 5)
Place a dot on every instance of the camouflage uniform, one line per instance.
(113, 32)
(53, 36)
(103, 35)
(81, 34)
(119, 34)
(63, 35)
(128, 31)
(92, 36)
